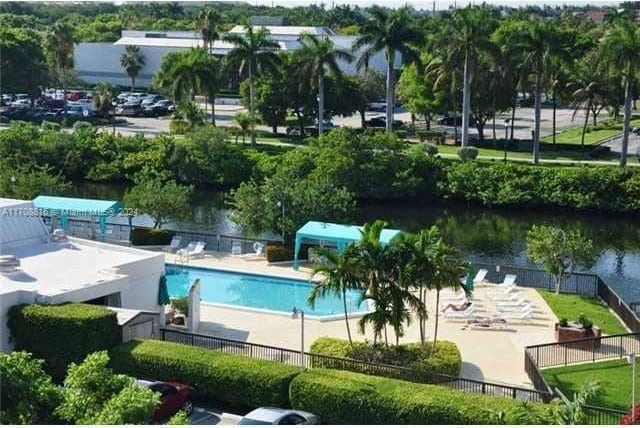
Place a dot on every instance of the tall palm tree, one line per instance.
(393, 32)
(541, 42)
(589, 93)
(132, 60)
(338, 275)
(621, 47)
(61, 42)
(208, 26)
(469, 37)
(321, 57)
(254, 51)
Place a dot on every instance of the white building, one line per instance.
(99, 62)
(52, 271)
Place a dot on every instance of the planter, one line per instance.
(574, 332)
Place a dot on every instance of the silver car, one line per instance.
(275, 416)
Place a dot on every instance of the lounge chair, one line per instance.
(521, 309)
(528, 314)
(174, 245)
(503, 292)
(511, 303)
(193, 250)
(480, 277)
(508, 281)
(508, 298)
(236, 248)
(460, 314)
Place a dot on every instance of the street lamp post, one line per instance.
(506, 136)
(114, 104)
(294, 314)
(631, 358)
(280, 204)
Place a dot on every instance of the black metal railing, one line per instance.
(293, 357)
(619, 306)
(602, 415)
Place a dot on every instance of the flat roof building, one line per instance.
(36, 267)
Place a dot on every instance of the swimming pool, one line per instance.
(257, 291)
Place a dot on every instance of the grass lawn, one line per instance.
(544, 154)
(570, 306)
(614, 378)
(574, 134)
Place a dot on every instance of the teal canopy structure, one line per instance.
(64, 208)
(339, 234)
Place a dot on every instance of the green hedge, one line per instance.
(234, 380)
(143, 236)
(351, 398)
(445, 360)
(62, 334)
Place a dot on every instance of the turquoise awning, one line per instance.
(64, 208)
(340, 234)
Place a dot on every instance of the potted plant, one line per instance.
(582, 328)
(181, 308)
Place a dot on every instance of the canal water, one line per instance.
(481, 234)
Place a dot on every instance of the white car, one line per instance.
(136, 97)
(21, 103)
(275, 416)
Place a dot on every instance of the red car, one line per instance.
(173, 398)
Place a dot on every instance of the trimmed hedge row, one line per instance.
(143, 236)
(352, 398)
(445, 360)
(234, 380)
(63, 334)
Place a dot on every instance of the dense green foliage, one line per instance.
(27, 396)
(162, 200)
(63, 334)
(445, 360)
(353, 398)
(234, 380)
(143, 236)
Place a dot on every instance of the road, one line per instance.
(634, 144)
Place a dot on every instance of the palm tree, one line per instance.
(321, 57)
(394, 33)
(255, 51)
(245, 121)
(61, 43)
(189, 114)
(207, 25)
(132, 60)
(103, 95)
(588, 93)
(338, 275)
(542, 42)
(621, 47)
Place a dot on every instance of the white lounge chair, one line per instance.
(174, 245)
(480, 276)
(508, 298)
(521, 309)
(518, 316)
(460, 314)
(508, 281)
(193, 250)
(503, 293)
(510, 303)
(236, 248)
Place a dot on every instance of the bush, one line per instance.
(467, 153)
(50, 126)
(81, 126)
(446, 359)
(278, 253)
(63, 334)
(430, 149)
(181, 305)
(234, 380)
(352, 398)
(177, 126)
(143, 236)
(437, 136)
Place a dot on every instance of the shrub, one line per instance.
(563, 322)
(177, 126)
(585, 322)
(50, 126)
(278, 253)
(468, 153)
(81, 125)
(234, 380)
(352, 398)
(181, 305)
(63, 334)
(430, 149)
(144, 236)
(445, 360)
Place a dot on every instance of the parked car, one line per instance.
(136, 97)
(381, 122)
(5, 100)
(122, 97)
(155, 110)
(451, 121)
(76, 95)
(275, 416)
(78, 111)
(174, 397)
(379, 105)
(129, 109)
(311, 131)
(150, 100)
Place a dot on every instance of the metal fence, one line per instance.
(602, 415)
(309, 360)
(619, 306)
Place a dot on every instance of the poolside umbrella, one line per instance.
(163, 293)
(468, 282)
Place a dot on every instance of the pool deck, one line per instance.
(489, 355)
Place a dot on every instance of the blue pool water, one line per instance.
(256, 291)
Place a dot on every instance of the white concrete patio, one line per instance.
(490, 355)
